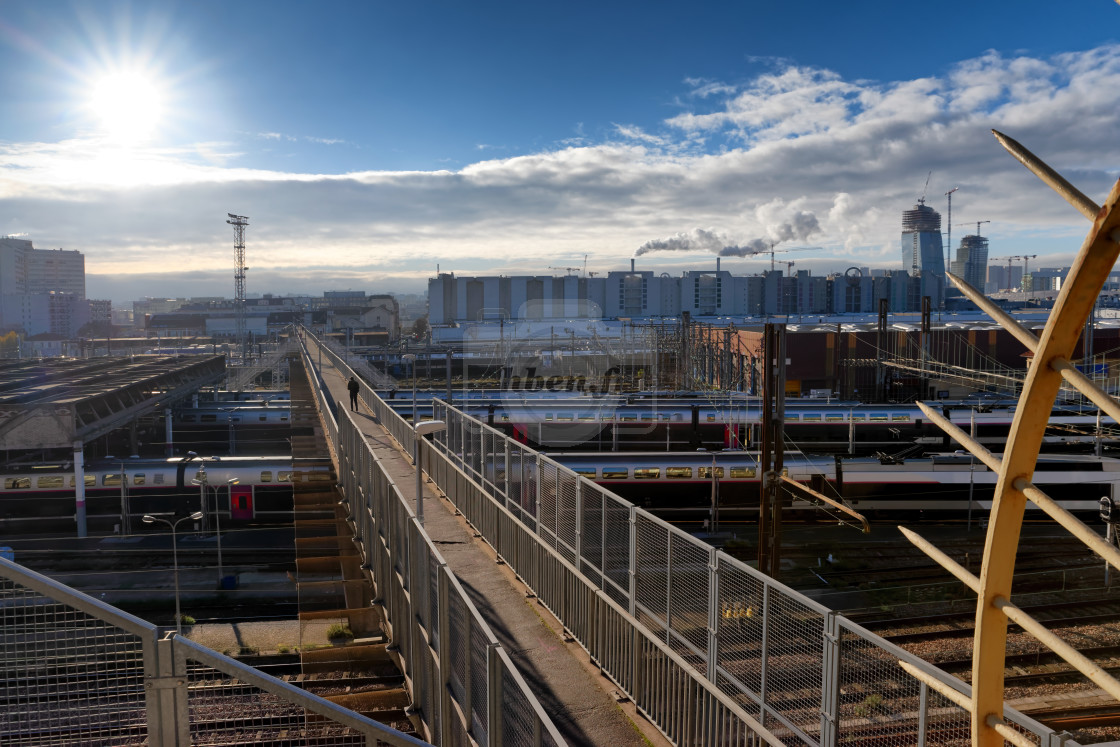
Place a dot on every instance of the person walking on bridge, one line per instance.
(353, 386)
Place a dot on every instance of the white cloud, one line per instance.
(793, 153)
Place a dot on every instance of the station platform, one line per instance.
(582, 703)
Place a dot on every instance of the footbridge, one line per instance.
(703, 646)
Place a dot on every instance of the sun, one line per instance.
(128, 105)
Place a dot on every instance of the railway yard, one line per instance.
(878, 580)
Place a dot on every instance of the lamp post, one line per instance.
(422, 429)
(200, 481)
(411, 358)
(149, 519)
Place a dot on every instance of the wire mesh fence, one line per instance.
(749, 643)
(463, 682)
(76, 671)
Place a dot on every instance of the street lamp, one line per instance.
(411, 358)
(422, 429)
(149, 519)
(200, 481)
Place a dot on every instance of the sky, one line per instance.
(372, 144)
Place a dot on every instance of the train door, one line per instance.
(241, 502)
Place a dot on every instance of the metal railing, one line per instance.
(709, 649)
(464, 685)
(76, 671)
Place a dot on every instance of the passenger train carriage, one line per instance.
(937, 484)
(41, 498)
(816, 426)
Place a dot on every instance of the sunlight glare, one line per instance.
(128, 106)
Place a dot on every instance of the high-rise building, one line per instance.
(41, 290)
(971, 263)
(923, 254)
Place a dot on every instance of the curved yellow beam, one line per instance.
(1075, 302)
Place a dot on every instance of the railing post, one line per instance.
(494, 695)
(764, 650)
(830, 685)
(632, 592)
(713, 613)
(446, 709)
(165, 693)
(923, 714)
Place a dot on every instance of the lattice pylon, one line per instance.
(1051, 363)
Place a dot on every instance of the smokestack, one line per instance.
(631, 264)
(717, 264)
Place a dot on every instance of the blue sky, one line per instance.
(370, 142)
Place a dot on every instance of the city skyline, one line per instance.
(369, 144)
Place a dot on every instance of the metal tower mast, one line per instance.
(239, 222)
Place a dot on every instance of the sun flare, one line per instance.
(128, 106)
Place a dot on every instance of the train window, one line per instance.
(283, 418)
(742, 473)
(284, 476)
(188, 418)
(792, 418)
(564, 418)
(499, 475)
(678, 473)
(834, 418)
(138, 479)
(706, 473)
(51, 481)
(608, 418)
(614, 473)
(318, 477)
(647, 473)
(208, 419)
(899, 417)
(89, 480)
(548, 416)
(157, 478)
(266, 475)
(878, 418)
(587, 418)
(17, 483)
(263, 418)
(588, 472)
(811, 418)
(505, 417)
(648, 416)
(856, 418)
(711, 418)
(112, 480)
(627, 418)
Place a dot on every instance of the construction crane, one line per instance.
(569, 270)
(789, 267)
(1009, 261)
(1026, 261)
(977, 222)
(922, 199)
(772, 251)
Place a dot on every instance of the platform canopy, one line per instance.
(53, 403)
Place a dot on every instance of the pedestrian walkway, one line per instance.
(582, 703)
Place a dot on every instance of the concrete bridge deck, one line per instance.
(576, 696)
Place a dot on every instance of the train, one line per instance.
(119, 492)
(813, 426)
(938, 485)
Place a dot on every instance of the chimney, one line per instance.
(717, 264)
(631, 264)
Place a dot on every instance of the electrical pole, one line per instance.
(239, 222)
(773, 415)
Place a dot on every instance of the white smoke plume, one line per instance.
(793, 226)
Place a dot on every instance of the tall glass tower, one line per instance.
(923, 255)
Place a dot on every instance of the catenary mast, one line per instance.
(239, 222)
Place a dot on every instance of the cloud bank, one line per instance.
(794, 153)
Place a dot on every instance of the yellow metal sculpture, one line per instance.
(1050, 365)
